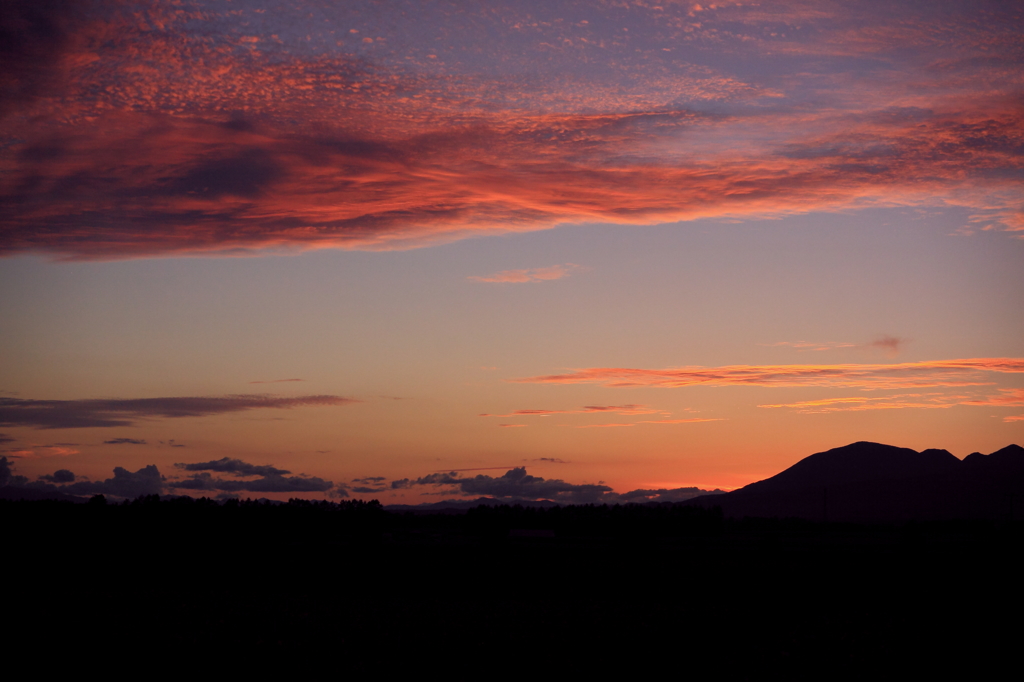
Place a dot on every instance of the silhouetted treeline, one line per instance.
(185, 520)
(253, 585)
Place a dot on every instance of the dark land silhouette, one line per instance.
(644, 589)
(871, 482)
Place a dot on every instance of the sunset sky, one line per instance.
(395, 250)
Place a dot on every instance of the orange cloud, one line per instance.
(529, 275)
(1007, 397)
(965, 372)
(860, 403)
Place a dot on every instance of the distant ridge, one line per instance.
(455, 506)
(872, 482)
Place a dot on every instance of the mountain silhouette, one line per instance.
(858, 463)
(872, 482)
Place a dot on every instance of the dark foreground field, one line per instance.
(190, 586)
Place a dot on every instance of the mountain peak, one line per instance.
(857, 463)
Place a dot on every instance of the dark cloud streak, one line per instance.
(67, 414)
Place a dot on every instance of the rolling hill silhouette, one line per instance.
(872, 482)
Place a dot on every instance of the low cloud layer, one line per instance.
(69, 414)
(516, 484)
(275, 483)
(127, 484)
(235, 467)
(149, 481)
(124, 484)
(269, 479)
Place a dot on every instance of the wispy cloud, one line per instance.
(276, 381)
(529, 275)
(963, 372)
(1007, 397)
(649, 421)
(67, 414)
(863, 403)
(887, 344)
(36, 451)
(811, 345)
(588, 409)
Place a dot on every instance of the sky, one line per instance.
(579, 251)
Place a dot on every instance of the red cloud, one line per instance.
(141, 129)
